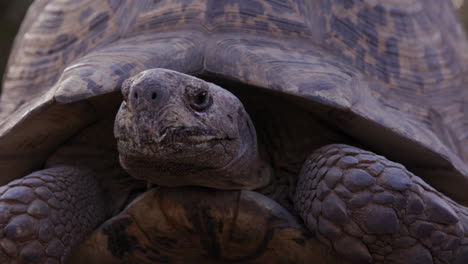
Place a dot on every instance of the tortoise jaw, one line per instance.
(190, 136)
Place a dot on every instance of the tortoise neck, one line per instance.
(94, 147)
(249, 170)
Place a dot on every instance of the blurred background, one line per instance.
(13, 11)
(11, 15)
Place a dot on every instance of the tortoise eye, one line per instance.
(200, 98)
(200, 101)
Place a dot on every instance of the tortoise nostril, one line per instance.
(154, 95)
(135, 95)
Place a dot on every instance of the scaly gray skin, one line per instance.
(177, 130)
(47, 213)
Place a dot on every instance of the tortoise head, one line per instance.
(177, 130)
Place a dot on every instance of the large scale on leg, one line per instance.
(386, 76)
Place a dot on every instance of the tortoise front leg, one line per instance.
(372, 210)
(199, 225)
(45, 214)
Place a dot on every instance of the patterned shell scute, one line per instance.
(53, 37)
(389, 73)
(417, 51)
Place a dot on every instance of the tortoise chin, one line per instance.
(161, 156)
(192, 161)
(180, 148)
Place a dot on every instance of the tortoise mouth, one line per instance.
(190, 136)
(175, 141)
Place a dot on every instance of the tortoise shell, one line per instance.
(389, 73)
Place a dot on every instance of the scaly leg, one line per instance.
(372, 210)
(45, 214)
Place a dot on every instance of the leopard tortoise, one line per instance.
(276, 166)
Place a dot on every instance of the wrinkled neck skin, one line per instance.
(246, 170)
(248, 164)
(177, 130)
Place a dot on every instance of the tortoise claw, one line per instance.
(197, 225)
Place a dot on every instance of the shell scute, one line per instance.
(395, 67)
